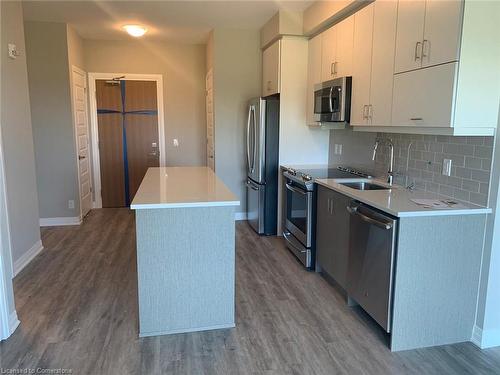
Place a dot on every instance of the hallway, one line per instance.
(78, 310)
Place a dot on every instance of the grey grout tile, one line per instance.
(471, 164)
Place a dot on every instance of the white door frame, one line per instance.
(82, 72)
(8, 315)
(96, 163)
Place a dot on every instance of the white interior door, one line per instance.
(210, 120)
(82, 139)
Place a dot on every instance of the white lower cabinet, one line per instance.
(424, 97)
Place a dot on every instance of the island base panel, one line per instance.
(186, 269)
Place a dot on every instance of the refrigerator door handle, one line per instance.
(254, 128)
(248, 136)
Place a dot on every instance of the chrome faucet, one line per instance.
(388, 142)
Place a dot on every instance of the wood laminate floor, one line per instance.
(77, 302)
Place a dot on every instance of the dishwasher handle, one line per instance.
(380, 224)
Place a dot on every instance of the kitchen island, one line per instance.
(185, 251)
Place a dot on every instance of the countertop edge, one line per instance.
(423, 213)
(149, 206)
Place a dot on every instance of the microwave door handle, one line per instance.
(331, 99)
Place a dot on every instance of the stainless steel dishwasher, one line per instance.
(372, 249)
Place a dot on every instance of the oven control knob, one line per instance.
(306, 177)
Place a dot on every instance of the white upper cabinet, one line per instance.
(373, 64)
(271, 69)
(425, 97)
(313, 75)
(384, 36)
(328, 53)
(428, 33)
(336, 47)
(411, 17)
(345, 35)
(443, 25)
(362, 65)
(457, 89)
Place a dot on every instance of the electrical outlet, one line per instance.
(338, 149)
(71, 204)
(13, 52)
(176, 142)
(447, 167)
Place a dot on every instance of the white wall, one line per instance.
(183, 69)
(52, 118)
(488, 315)
(17, 138)
(237, 78)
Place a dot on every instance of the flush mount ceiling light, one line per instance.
(135, 30)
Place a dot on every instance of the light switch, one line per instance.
(176, 142)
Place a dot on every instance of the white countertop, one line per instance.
(396, 201)
(177, 187)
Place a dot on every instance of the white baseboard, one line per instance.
(27, 257)
(240, 216)
(485, 339)
(477, 335)
(13, 322)
(59, 221)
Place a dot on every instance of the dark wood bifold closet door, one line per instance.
(126, 156)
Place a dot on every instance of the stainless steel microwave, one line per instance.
(332, 100)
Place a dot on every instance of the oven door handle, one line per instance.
(295, 190)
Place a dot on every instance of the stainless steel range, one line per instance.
(300, 206)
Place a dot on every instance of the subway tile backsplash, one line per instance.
(418, 160)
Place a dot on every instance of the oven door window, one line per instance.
(297, 202)
(327, 100)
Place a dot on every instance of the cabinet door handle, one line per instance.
(269, 85)
(335, 67)
(370, 111)
(365, 112)
(332, 69)
(416, 119)
(417, 48)
(425, 43)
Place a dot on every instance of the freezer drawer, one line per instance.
(372, 247)
(256, 195)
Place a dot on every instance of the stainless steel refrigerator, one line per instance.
(262, 142)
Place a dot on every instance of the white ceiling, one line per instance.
(177, 21)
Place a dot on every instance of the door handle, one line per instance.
(417, 55)
(295, 190)
(370, 220)
(248, 135)
(80, 157)
(330, 101)
(425, 42)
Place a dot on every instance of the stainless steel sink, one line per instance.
(362, 185)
